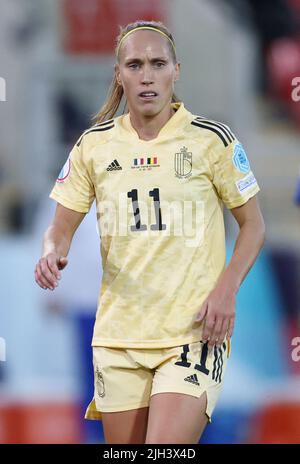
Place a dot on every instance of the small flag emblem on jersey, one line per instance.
(192, 379)
(146, 163)
(152, 160)
(138, 161)
(183, 163)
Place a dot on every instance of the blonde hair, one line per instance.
(115, 93)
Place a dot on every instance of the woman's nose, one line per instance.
(147, 77)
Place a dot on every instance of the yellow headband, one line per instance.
(148, 28)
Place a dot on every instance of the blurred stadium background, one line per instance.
(240, 64)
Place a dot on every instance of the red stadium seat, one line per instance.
(283, 65)
(276, 423)
(40, 422)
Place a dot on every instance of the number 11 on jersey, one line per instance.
(133, 194)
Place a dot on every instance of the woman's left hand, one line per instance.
(218, 312)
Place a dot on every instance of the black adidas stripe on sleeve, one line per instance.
(103, 126)
(218, 124)
(109, 121)
(218, 128)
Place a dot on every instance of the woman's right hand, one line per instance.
(47, 270)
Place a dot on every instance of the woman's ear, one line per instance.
(177, 72)
(117, 74)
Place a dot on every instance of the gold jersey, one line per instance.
(160, 215)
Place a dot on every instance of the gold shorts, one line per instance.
(126, 378)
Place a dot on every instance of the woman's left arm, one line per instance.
(219, 307)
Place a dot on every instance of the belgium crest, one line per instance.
(183, 163)
(99, 383)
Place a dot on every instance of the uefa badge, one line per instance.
(239, 159)
(64, 172)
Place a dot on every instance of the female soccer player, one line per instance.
(166, 310)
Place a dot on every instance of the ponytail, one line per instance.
(110, 107)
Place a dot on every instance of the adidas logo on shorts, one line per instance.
(114, 166)
(193, 379)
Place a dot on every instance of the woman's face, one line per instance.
(147, 72)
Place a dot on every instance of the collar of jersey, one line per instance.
(172, 125)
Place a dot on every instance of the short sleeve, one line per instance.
(74, 188)
(232, 175)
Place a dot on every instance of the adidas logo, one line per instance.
(193, 379)
(114, 166)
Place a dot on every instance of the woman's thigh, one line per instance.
(185, 390)
(126, 426)
(176, 418)
(122, 388)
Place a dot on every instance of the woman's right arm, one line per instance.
(56, 245)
